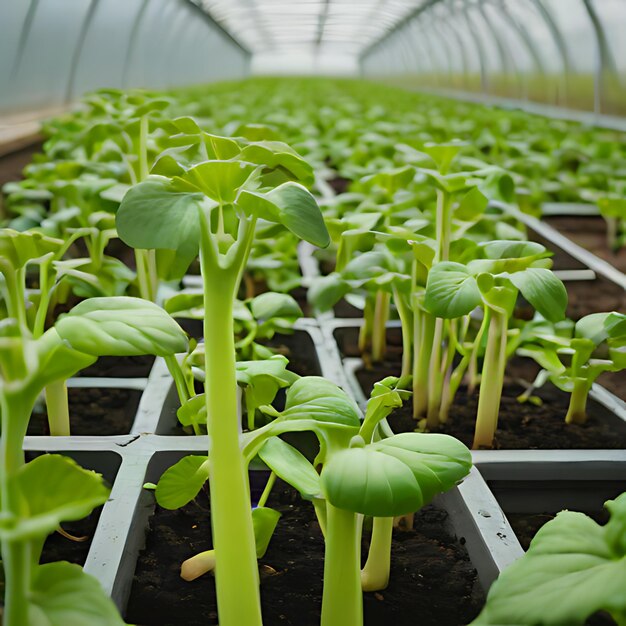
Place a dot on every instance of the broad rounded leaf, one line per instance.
(219, 180)
(271, 304)
(543, 290)
(290, 465)
(55, 489)
(451, 291)
(573, 568)
(394, 476)
(62, 594)
(299, 212)
(17, 248)
(181, 483)
(276, 154)
(157, 214)
(325, 291)
(314, 397)
(472, 205)
(121, 326)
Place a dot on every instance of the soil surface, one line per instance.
(94, 411)
(75, 550)
(520, 425)
(120, 367)
(589, 232)
(431, 575)
(300, 350)
(347, 341)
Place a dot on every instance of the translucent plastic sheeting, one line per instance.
(52, 51)
(570, 53)
(305, 30)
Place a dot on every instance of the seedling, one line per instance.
(208, 196)
(574, 355)
(36, 497)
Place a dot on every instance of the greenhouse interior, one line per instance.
(313, 312)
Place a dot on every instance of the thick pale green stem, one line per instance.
(375, 574)
(577, 410)
(421, 362)
(147, 277)
(342, 600)
(365, 334)
(443, 225)
(406, 321)
(453, 386)
(16, 555)
(58, 409)
(15, 295)
(237, 579)
(435, 377)
(473, 364)
(379, 332)
(491, 381)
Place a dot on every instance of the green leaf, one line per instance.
(271, 304)
(62, 594)
(472, 205)
(314, 397)
(17, 249)
(451, 290)
(291, 205)
(612, 207)
(219, 180)
(181, 483)
(121, 326)
(394, 476)
(325, 291)
(290, 465)
(157, 214)
(193, 411)
(278, 155)
(264, 522)
(573, 568)
(54, 489)
(543, 290)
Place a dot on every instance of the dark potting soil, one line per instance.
(520, 425)
(339, 184)
(94, 411)
(120, 367)
(300, 350)
(75, 550)
(589, 232)
(431, 575)
(347, 339)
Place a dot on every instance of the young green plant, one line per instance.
(208, 197)
(36, 497)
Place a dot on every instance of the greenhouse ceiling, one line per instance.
(568, 53)
(340, 26)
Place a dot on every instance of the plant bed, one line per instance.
(520, 425)
(347, 339)
(599, 295)
(94, 411)
(430, 570)
(120, 367)
(60, 548)
(590, 232)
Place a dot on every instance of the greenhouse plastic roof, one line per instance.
(343, 26)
